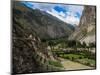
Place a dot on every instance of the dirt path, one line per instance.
(70, 65)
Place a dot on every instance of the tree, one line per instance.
(91, 45)
(79, 44)
(84, 44)
(73, 58)
(50, 43)
(72, 43)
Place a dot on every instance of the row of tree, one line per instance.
(70, 43)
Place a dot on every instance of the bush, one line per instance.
(80, 57)
(88, 64)
(67, 57)
(73, 58)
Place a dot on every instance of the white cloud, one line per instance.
(76, 8)
(70, 15)
(62, 14)
(43, 6)
(70, 18)
(56, 14)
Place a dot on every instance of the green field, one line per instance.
(55, 63)
(87, 61)
(70, 56)
(79, 58)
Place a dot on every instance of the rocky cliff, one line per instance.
(87, 26)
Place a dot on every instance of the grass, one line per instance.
(70, 56)
(87, 61)
(79, 58)
(55, 63)
(83, 57)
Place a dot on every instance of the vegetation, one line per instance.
(60, 47)
(64, 43)
(86, 61)
(72, 56)
(40, 40)
(79, 58)
(55, 63)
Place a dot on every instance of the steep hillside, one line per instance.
(86, 30)
(43, 24)
(29, 54)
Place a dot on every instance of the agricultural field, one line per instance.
(70, 65)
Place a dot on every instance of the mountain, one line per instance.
(42, 23)
(85, 32)
(29, 54)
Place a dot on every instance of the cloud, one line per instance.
(56, 14)
(62, 14)
(72, 14)
(67, 13)
(72, 20)
(41, 6)
(76, 8)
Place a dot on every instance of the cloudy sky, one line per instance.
(68, 13)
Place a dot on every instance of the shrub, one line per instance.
(67, 57)
(88, 64)
(80, 57)
(73, 58)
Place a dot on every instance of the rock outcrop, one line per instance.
(87, 26)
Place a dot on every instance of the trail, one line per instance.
(70, 65)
